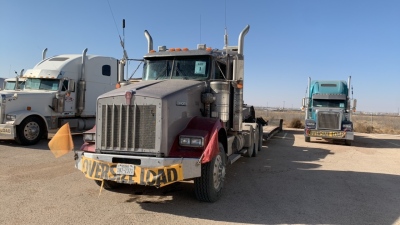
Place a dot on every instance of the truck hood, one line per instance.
(153, 88)
(149, 126)
(39, 101)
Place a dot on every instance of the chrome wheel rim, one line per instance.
(31, 131)
(218, 172)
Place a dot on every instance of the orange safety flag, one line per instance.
(212, 148)
(62, 142)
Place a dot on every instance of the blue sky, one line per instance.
(288, 41)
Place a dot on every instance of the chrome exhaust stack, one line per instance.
(149, 41)
(241, 39)
(82, 85)
(44, 54)
(238, 77)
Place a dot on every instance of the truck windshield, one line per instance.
(10, 85)
(329, 103)
(187, 68)
(42, 84)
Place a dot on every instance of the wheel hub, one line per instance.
(31, 130)
(218, 172)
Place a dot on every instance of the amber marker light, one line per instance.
(28, 108)
(118, 85)
(151, 51)
(208, 49)
(239, 84)
(185, 49)
(171, 49)
(178, 49)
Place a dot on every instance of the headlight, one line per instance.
(310, 123)
(11, 117)
(88, 137)
(347, 125)
(191, 141)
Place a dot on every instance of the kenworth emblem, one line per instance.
(178, 103)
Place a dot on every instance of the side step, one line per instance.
(232, 158)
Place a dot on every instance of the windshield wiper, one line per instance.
(162, 73)
(185, 77)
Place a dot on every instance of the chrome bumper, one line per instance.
(330, 134)
(7, 132)
(191, 167)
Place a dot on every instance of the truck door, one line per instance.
(68, 89)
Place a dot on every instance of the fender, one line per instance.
(22, 114)
(89, 146)
(209, 129)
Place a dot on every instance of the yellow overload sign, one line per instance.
(131, 174)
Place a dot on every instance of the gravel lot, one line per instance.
(290, 182)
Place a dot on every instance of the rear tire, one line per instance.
(30, 131)
(250, 149)
(208, 187)
(256, 142)
(307, 139)
(348, 142)
(261, 136)
(108, 184)
(255, 150)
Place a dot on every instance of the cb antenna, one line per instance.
(226, 37)
(226, 33)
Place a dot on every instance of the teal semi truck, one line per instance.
(328, 109)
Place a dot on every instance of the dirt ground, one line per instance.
(289, 182)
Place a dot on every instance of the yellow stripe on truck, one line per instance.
(159, 176)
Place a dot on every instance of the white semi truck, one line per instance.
(59, 89)
(185, 120)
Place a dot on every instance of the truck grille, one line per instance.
(128, 127)
(328, 120)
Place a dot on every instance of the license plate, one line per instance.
(125, 169)
(5, 131)
(337, 134)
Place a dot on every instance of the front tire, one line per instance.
(30, 131)
(307, 139)
(208, 187)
